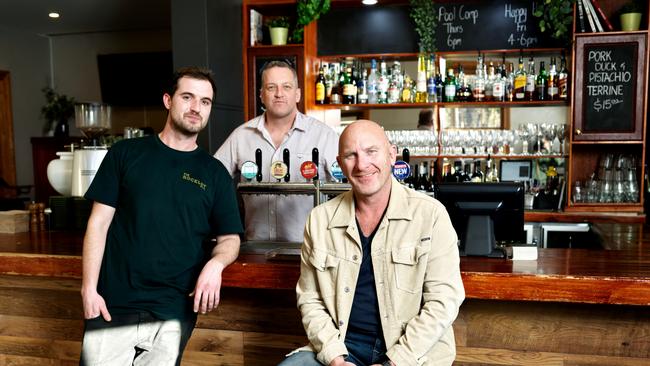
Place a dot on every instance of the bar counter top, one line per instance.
(598, 276)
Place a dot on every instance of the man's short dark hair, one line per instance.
(194, 73)
(278, 63)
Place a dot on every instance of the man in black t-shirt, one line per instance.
(148, 264)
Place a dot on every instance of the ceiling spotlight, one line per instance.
(53, 15)
(369, 2)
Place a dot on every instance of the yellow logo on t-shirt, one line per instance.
(188, 177)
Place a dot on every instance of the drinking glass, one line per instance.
(561, 132)
(577, 193)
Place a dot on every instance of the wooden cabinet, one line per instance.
(609, 114)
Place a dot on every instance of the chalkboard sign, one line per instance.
(489, 25)
(609, 87)
(366, 30)
(467, 25)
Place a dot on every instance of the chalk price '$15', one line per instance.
(605, 104)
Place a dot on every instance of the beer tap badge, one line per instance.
(401, 170)
(337, 172)
(279, 169)
(308, 169)
(248, 170)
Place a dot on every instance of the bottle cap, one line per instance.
(278, 169)
(308, 169)
(401, 170)
(248, 170)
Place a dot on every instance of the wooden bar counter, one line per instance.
(570, 307)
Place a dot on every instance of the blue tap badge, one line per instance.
(401, 170)
(337, 172)
(248, 170)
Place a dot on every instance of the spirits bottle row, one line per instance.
(350, 82)
(425, 175)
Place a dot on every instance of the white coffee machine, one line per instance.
(94, 120)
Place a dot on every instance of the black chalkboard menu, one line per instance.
(489, 25)
(610, 75)
(465, 25)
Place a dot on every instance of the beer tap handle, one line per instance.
(286, 159)
(314, 159)
(258, 161)
(406, 155)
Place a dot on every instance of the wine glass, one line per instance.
(562, 132)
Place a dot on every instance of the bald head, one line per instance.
(361, 129)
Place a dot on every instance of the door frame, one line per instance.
(7, 148)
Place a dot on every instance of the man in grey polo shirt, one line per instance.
(279, 217)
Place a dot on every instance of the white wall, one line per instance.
(26, 57)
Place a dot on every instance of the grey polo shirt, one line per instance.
(279, 217)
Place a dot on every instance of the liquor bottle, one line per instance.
(393, 91)
(349, 94)
(423, 178)
(530, 80)
(520, 81)
(362, 90)
(477, 175)
(371, 86)
(467, 173)
(407, 95)
(464, 92)
(563, 79)
(498, 86)
(335, 94)
(328, 70)
(541, 83)
(440, 86)
(320, 87)
(458, 175)
(382, 84)
(450, 86)
(478, 90)
(421, 81)
(459, 82)
(433, 174)
(489, 80)
(552, 91)
(431, 79)
(491, 174)
(509, 82)
(397, 75)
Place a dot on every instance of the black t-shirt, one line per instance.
(364, 315)
(168, 203)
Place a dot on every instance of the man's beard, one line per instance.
(187, 129)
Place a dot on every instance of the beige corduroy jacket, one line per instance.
(417, 275)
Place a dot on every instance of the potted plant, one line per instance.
(279, 30)
(58, 109)
(630, 15)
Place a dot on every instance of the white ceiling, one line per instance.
(84, 16)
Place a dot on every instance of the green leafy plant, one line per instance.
(556, 16)
(278, 22)
(58, 107)
(424, 15)
(308, 11)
